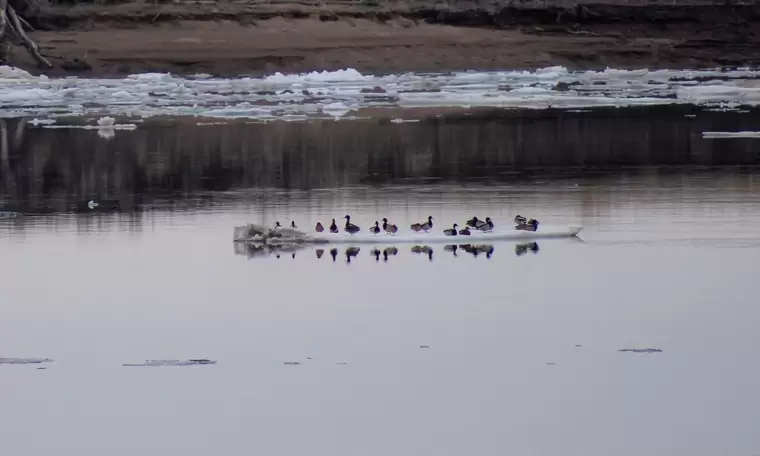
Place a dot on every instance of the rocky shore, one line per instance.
(231, 39)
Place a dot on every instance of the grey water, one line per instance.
(514, 350)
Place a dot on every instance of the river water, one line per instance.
(513, 350)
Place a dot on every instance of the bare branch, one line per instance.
(27, 42)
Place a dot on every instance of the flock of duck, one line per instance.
(474, 224)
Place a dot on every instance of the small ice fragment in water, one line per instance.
(292, 363)
(551, 364)
(424, 346)
(106, 121)
(641, 350)
(342, 364)
(578, 345)
(172, 362)
(25, 360)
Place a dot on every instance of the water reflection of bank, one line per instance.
(56, 169)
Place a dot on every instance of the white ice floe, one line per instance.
(25, 360)
(730, 134)
(330, 94)
(172, 362)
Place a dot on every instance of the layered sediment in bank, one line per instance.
(232, 39)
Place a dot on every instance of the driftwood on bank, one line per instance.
(12, 31)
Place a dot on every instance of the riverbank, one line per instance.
(227, 39)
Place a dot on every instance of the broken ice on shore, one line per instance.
(335, 94)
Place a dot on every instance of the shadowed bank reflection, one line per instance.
(56, 170)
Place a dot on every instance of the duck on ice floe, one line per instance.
(350, 227)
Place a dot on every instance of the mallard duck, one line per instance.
(319, 228)
(486, 226)
(473, 222)
(423, 226)
(531, 225)
(465, 231)
(451, 231)
(350, 227)
(390, 229)
(375, 229)
(520, 220)
(333, 227)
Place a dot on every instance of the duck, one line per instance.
(451, 231)
(531, 225)
(293, 224)
(350, 227)
(390, 229)
(423, 226)
(319, 228)
(333, 227)
(375, 229)
(465, 231)
(473, 222)
(520, 220)
(486, 226)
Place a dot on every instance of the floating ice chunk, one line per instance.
(25, 360)
(106, 121)
(336, 109)
(641, 350)
(172, 362)
(151, 77)
(730, 134)
(347, 75)
(37, 121)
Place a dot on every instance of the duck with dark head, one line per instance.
(350, 227)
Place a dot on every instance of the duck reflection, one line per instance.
(375, 253)
(351, 252)
(451, 248)
(426, 249)
(334, 253)
(478, 249)
(522, 249)
(320, 252)
(388, 251)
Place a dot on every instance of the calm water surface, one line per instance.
(667, 259)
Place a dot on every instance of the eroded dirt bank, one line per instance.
(252, 39)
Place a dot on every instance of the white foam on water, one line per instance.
(334, 94)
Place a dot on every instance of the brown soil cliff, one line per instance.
(230, 39)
